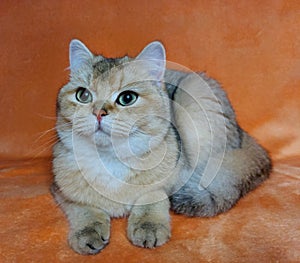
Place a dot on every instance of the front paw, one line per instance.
(91, 239)
(149, 234)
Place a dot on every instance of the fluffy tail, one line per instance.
(242, 170)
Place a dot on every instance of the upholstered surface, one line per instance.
(251, 47)
(262, 227)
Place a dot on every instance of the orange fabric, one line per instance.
(263, 227)
(251, 47)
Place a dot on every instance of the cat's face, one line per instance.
(113, 102)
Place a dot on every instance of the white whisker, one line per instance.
(46, 117)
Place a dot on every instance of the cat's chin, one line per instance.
(102, 139)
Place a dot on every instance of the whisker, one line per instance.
(46, 117)
(36, 152)
(47, 145)
(43, 134)
(53, 129)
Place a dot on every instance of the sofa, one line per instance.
(251, 47)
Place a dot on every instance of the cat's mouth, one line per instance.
(100, 129)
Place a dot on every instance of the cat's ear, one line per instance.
(154, 57)
(79, 55)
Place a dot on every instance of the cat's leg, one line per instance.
(149, 223)
(89, 227)
(242, 170)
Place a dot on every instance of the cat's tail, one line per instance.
(242, 170)
(253, 161)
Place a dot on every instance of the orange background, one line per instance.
(251, 47)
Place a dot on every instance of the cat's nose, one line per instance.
(99, 114)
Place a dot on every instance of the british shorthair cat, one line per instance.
(136, 139)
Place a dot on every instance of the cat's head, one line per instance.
(115, 101)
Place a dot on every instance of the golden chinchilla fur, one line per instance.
(136, 139)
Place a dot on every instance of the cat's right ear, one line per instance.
(154, 57)
(79, 55)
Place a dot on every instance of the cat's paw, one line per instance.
(91, 239)
(149, 234)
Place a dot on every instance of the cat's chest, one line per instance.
(111, 165)
(101, 166)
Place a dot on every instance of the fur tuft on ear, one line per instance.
(79, 55)
(154, 56)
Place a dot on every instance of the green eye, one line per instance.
(83, 95)
(127, 98)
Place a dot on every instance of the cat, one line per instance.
(137, 139)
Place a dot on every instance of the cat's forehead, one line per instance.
(103, 65)
(106, 71)
(111, 75)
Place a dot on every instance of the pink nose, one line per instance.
(99, 114)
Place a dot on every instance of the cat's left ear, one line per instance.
(79, 55)
(154, 57)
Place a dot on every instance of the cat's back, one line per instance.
(199, 87)
(202, 114)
